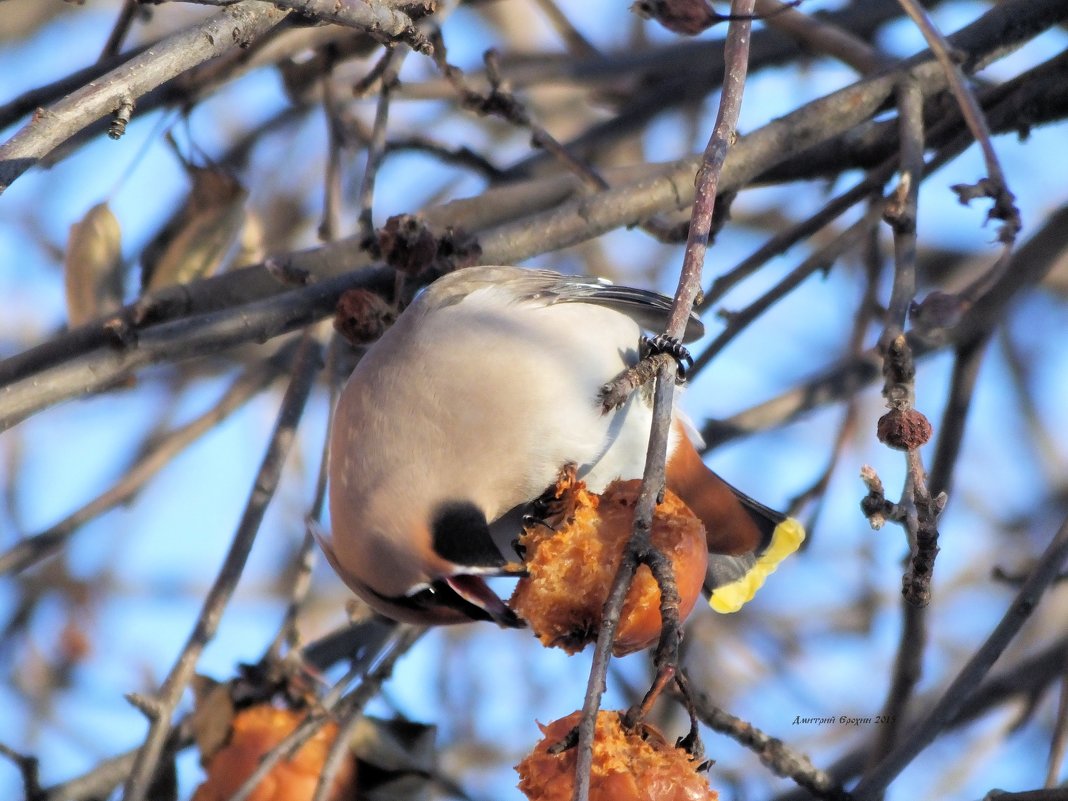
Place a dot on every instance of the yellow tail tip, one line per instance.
(786, 539)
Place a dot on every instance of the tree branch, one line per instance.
(235, 26)
(308, 362)
(706, 187)
(953, 699)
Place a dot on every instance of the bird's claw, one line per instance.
(662, 343)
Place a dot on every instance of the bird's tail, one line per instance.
(746, 540)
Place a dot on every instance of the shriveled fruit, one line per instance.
(572, 563)
(254, 732)
(628, 765)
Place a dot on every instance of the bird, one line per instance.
(464, 412)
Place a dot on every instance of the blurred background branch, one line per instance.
(266, 158)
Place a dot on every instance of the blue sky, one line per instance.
(160, 552)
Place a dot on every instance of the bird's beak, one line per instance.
(474, 591)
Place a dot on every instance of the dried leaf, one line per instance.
(213, 715)
(164, 786)
(394, 745)
(397, 759)
(92, 268)
(198, 237)
(252, 245)
(688, 17)
(284, 218)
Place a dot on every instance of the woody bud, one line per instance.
(362, 316)
(903, 429)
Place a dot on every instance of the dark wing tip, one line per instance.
(647, 308)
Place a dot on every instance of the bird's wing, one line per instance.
(648, 309)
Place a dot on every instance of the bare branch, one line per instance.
(772, 752)
(306, 366)
(385, 20)
(40, 546)
(1004, 201)
(1029, 263)
(823, 36)
(235, 26)
(953, 699)
(639, 548)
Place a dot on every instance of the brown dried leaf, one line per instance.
(74, 643)
(252, 244)
(213, 715)
(198, 237)
(164, 786)
(92, 268)
(284, 218)
(402, 754)
(688, 17)
(394, 745)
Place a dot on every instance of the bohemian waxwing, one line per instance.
(466, 410)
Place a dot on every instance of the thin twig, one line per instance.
(904, 425)
(1004, 201)
(616, 392)
(376, 147)
(781, 139)
(360, 644)
(822, 260)
(872, 184)
(381, 19)
(902, 213)
(92, 364)
(953, 699)
(1040, 434)
(1019, 684)
(399, 641)
(118, 33)
(307, 364)
(350, 708)
(234, 26)
(577, 44)
(779, 757)
(968, 358)
(330, 224)
(846, 428)
(179, 339)
(706, 186)
(1058, 744)
(1029, 264)
(287, 633)
(1049, 794)
(823, 37)
(783, 240)
(28, 767)
(461, 156)
(34, 548)
(499, 102)
(335, 756)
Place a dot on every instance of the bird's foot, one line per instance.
(661, 343)
(556, 506)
